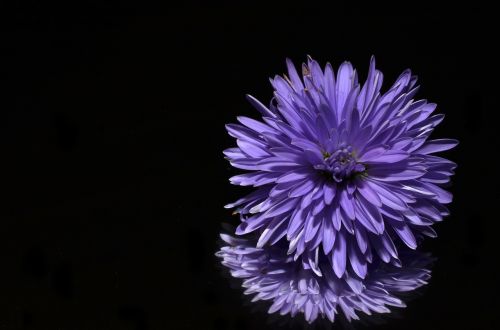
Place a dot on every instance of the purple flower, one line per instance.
(271, 274)
(341, 167)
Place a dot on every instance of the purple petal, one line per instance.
(339, 255)
(318, 205)
(365, 189)
(275, 164)
(336, 219)
(302, 188)
(442, 195)
(372, 154)
(328, 236)
(426, 208)
(372, 214)
(364, 219)
(389, 244)
(346, 204)
(252, 149)
(329, 192)
(379, 248)
(253, 179)
(281, 207)
(259, 106)
(255, 125)
(295, 175)
(391, 213)
(361, 237)
(344, 84)
(358, 262)
(233, 153)
(245, 164)
(294, 77)
(269, 231)
(390, 156)
(312, 225)
(346, 221)
(436, 177)
(390, 175)
(251, 224)
(437, 145)
(297, 221)
(404, 232)
(387, 197)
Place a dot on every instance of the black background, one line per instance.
(112, 131)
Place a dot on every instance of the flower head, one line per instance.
(270, 274)
(340, 167)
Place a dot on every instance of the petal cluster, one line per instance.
(340, 168)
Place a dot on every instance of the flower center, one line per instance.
(341, 164)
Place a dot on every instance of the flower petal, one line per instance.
(346, 204)
(358, 262)
(339, 255)
(437, 145)
(328, 236)
(404, 232)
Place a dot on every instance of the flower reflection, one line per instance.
(270, 274)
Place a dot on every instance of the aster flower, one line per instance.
(270, 274)
(341, 167)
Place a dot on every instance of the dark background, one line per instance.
(112, 131)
